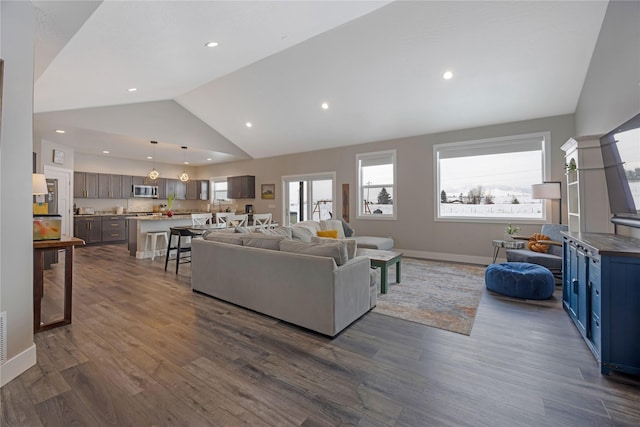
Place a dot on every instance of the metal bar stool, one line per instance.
(153, 237)
(183, 253)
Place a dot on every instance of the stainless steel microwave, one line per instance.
(149, 191)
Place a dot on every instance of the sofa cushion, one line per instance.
(352, 244)
(231, 238)
(332, 234)
(302, 233)
(310, 224)
(333, 224)
(336, 250)
(262, 241)
(241, 230)
(276, 231)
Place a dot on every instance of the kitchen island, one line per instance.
(139, 226)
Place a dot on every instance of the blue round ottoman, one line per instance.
(520, 280)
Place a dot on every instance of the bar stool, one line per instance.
(183, 253)
(152, 236)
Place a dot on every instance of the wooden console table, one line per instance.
(39, 248)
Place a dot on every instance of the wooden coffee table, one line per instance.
(383, 259)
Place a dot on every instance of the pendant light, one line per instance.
(154, 174)
(184, 176)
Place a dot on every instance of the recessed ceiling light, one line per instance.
(211, 44)
(105, 151)
(59, 131)
(132, 89)
(248, 124)
(149, 157)
(186, 163)
(325, 106)
(448, 75)
(209, 158)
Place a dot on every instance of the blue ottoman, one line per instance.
(520, 280)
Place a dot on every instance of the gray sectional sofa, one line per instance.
(325, 292)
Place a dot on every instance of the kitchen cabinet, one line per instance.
(172, 186)
(181, 190)
(85, 185)
(192, 190)
(88, 229)
(143, 180)
(109, 186)
(600, 293)
(241, 187)
(127, 186)
(114, 229)
(162, 188)
(203, 185)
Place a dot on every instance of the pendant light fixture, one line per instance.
(154, 174)
(184, 176)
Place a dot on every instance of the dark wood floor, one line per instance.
(144, 350)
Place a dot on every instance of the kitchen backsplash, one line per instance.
(138, 205)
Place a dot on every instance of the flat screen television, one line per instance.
(621, 159)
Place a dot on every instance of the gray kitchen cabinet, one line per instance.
(162, 188)
(109, 186)
(203, 186)
(127, 186)
(114, 229)
(85, 185)
(88, 229)
(241, 187)
(192, 190)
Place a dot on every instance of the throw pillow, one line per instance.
(348, 231)
(333, 224)
(535, 245)
(352, 244)
(333, 234)
(336, 250)
(277, 231)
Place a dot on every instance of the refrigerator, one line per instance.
(51, 198)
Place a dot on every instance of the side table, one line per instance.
(507, 244)
(39, 248)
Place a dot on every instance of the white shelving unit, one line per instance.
(587, 199)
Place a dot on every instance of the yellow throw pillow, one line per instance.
(333, 234)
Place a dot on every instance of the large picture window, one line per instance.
(491, 179)
(377, 185)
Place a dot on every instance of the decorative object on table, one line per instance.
(440, 294)
(170, 198)
(511, 230)
(548, 190)
(153, 173)
(184, 176)
(345, 202)
(58, 157)
(268, 191)
(536, 243)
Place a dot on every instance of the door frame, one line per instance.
(67, 174)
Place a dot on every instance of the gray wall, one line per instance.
(415, 231)
(611, 92)
(16, 236)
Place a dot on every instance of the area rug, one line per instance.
(441, 294)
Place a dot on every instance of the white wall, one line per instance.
(16, 239)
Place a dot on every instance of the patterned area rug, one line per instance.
(441, 294)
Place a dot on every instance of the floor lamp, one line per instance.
(548, 190)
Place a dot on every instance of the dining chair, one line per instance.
(237, 220)
(262, 220)
(201, 219)
(221, 219)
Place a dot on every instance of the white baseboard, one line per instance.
(439, 256)
(17, 365)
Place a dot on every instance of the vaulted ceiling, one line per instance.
(377, 64)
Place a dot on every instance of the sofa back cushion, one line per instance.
(336, 250)
(262, 241)
(276, 231)
(302, 233)
(216, 236)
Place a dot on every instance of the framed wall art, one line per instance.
(268, 191)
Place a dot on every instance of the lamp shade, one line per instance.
(546, 190)
(38, 184)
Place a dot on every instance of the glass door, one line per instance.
(309, 197)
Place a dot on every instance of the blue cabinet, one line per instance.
(601, 294)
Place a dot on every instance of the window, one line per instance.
(491, 179)
(309, 197)
(376, 185)
(219, 190)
